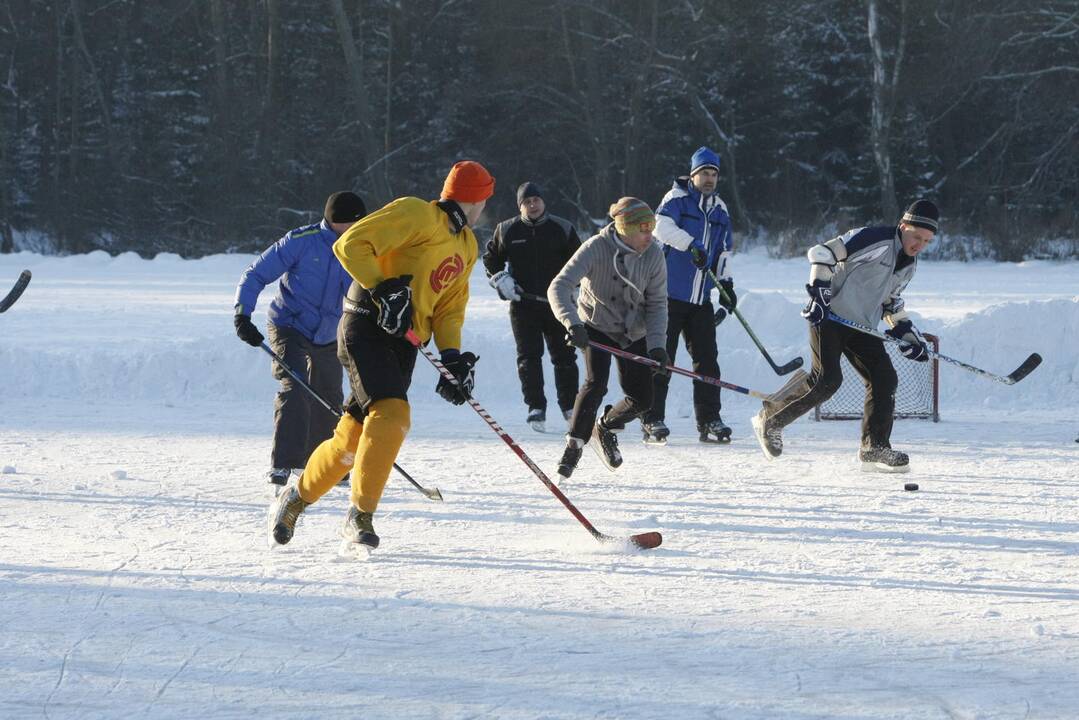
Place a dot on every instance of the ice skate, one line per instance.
(358, 536)
(605, 443)
(277, 479)
(537, 419)
(714, 431)
(284, 511)
(770, 438)
(655, 433)
(570, 457)
(883, 460)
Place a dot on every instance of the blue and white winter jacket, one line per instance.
(686, 215)
(313, 283)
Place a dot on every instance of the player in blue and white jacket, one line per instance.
(859, 276)
(695, 229)
(303, 319)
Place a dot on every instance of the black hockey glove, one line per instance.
(578, 336)
(720, 316)
(460, 364)
(727, 296)
(394, 299)
(820, 296)
(246, 330)
(912, 343)
(660, 355)
(698, 255)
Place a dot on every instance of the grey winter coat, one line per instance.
(866, 285)
(623, 293)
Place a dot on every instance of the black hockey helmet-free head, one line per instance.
(344, 207)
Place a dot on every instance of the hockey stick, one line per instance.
(433, 494)
(679, 371)
(779, 369)
(1024, 369)
(645, 541)
(16, 291)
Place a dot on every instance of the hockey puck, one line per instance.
(910, 487)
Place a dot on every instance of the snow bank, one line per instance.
(95, 328)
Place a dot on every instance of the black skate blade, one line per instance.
(723, 438)
(648, 440)
(876, 467)
(1025, 369)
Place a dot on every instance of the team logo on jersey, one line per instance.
(445, 273)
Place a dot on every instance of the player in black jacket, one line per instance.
(524, 255)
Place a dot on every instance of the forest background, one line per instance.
(204, 126)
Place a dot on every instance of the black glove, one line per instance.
(394, 299)
(660, 355)
(578, 336)
(460, 364)
(727, 296)
(246, 330)
(820, 296)
(698, 255)
(913, 344)
(720, 316)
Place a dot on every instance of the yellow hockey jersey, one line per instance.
(411, 236)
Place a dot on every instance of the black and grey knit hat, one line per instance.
(923, 214)
(527, 190)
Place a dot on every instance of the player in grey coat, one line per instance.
(859, 276)
(623, 303)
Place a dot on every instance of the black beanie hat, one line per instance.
(344, 207)
(527, 190)
(923, 214)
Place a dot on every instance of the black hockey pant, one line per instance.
(635, 379)
(532, 323)
(828, 342)
(696, 325)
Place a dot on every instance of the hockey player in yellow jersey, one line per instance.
(410, 262)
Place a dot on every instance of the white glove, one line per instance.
(506, 286)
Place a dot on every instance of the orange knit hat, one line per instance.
(468, 181)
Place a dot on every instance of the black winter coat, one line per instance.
(535, 251)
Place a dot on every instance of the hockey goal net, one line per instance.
(916, 396)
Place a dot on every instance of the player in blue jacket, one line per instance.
(695, 229)
(303, 319)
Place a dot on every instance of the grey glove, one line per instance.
(578, 336)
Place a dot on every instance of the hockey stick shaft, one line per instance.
(644, 540)
(16, 291)
(433, 494)
(779, 369)
(678, 371)
(1018, 374)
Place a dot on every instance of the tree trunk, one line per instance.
(883, 107)
(370, 148)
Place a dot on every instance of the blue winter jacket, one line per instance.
(685, 215)
(313, 283)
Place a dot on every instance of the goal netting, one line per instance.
(917, 395)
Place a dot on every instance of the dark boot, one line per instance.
(768, 435)
(714, 431)
(655, 433)
(570, 457)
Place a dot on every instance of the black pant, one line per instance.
(867, 356)
(696, 325)
(533, 322)
(301, 423)
(635, 379)
(379, 365)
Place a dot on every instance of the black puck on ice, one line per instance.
(910, 487)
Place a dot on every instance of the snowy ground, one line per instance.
(136, 581)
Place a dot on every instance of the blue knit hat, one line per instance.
(703, 158)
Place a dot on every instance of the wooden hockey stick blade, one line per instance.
(647, 540)
(1025, 369)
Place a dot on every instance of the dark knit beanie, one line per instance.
(344, 207)
(527, 190)
(923, 214)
